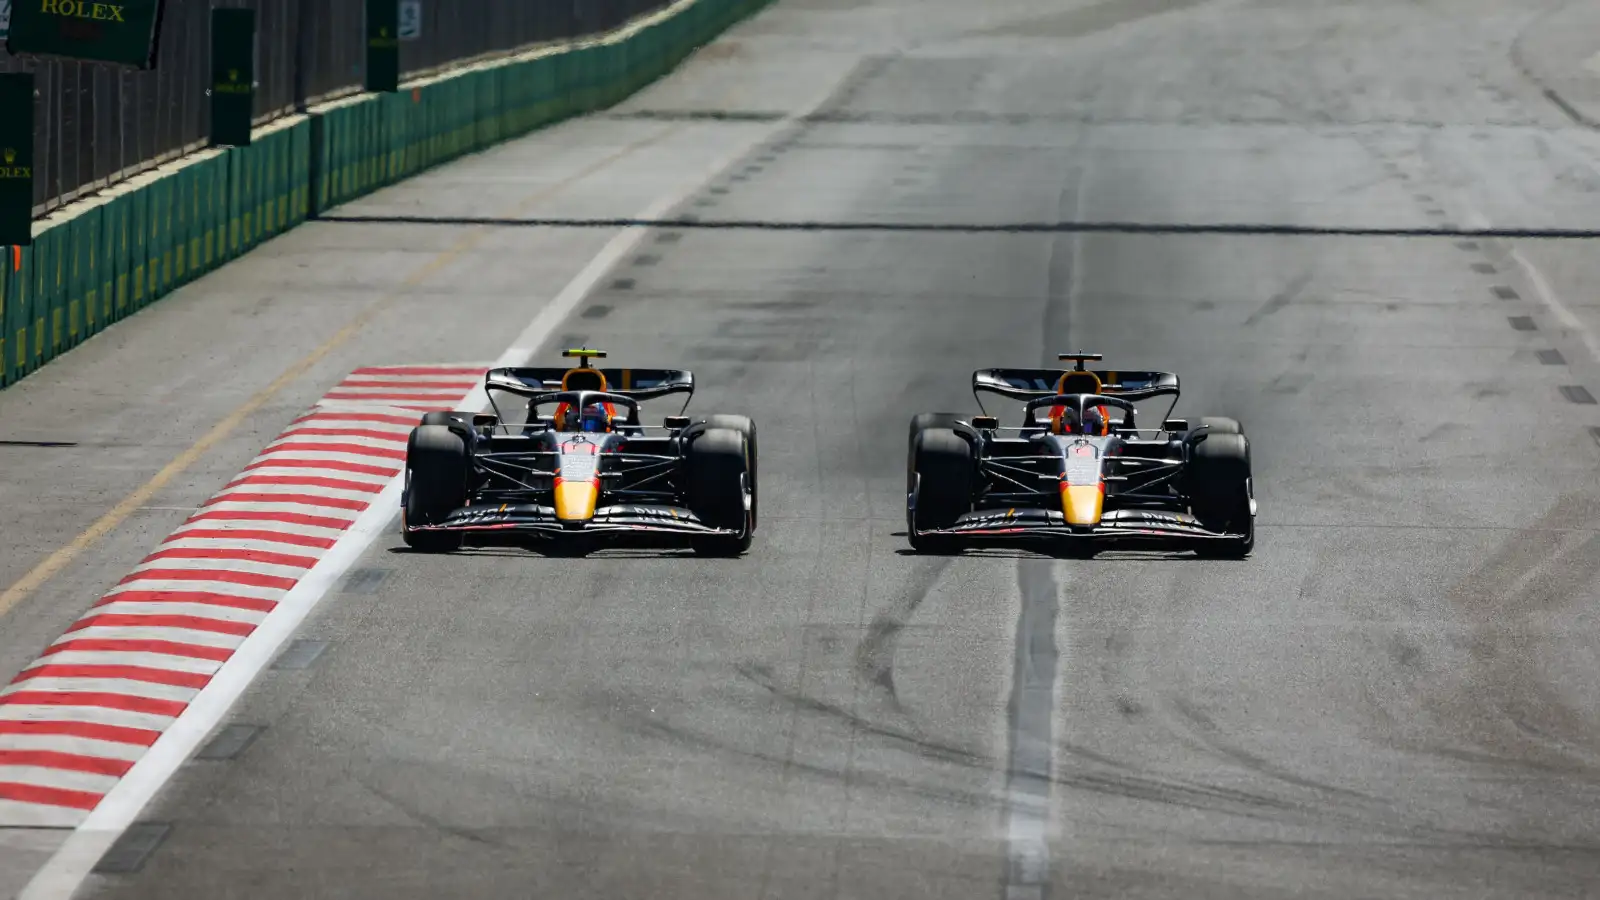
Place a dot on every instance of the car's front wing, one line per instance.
(1117, 526)
(536, 519)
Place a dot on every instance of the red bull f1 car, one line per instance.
(581, 466)
(1077, 471)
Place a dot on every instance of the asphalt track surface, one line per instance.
(1394, 696)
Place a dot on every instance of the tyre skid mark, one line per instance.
(932, 789)
(919, 744)
(875, 653)
(1486, 698)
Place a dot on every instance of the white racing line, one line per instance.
(1541, 287)
(69, 867)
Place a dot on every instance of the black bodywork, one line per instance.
(1148, 476)
(514, 467)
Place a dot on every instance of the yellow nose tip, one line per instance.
(575, 500)
(1081, 504)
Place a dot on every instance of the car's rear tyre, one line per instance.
(1220, 494)
(745, 426)
(924, 421)
(919, 423)
(437, 467)
(461, 422)
(941, 487)
(1221, 425)
(718, 470)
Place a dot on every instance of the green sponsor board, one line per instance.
(74, 261)
(106, 262)
(138, 210)
(16, 159)
(157, 219)
(383, 46)
(233, 75)
(121, 32)
(182, 206)
(7, 300)
(121, 217)
(13, 321)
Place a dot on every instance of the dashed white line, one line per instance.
(1541, 287)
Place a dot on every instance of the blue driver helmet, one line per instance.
(594, 418)
(1095, 421)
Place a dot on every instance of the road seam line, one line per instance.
(1030, 760)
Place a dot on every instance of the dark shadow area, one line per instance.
(1099, 556)
(597, 549)
(984, 227)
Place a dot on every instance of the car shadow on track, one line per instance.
(556, 552)
(1106, 556)
(1004, 552)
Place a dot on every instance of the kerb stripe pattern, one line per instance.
(81, 715)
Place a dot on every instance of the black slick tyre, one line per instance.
(1220, 493)
(924, 421)
(746, 427)
(941, 488)
(466, 424)
(919, 423)
(1221, 425)
(717, 473)
(437, 467)
(460, 422)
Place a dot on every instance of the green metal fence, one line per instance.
(98, 261)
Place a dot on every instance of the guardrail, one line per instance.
(99, 260)
(99, 124)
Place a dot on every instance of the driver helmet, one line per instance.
(1063, 421)
(1094, 422)
(594, 418)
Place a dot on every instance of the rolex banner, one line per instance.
(233, 75)
(121, 32)
(16, 159)
(383, 46)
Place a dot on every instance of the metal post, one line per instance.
(303, 33)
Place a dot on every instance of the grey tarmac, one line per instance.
(1394, 696)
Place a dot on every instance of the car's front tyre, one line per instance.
(437, 467)
(919, 423)
(746, 427)
(1221, 491)
(941, 487)
(718, 467)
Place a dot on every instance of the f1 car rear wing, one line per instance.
(1029, 384)
(640, 384)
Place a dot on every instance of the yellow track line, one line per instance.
(58, 560)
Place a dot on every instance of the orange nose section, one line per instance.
(575, 500)
(1082, 503)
